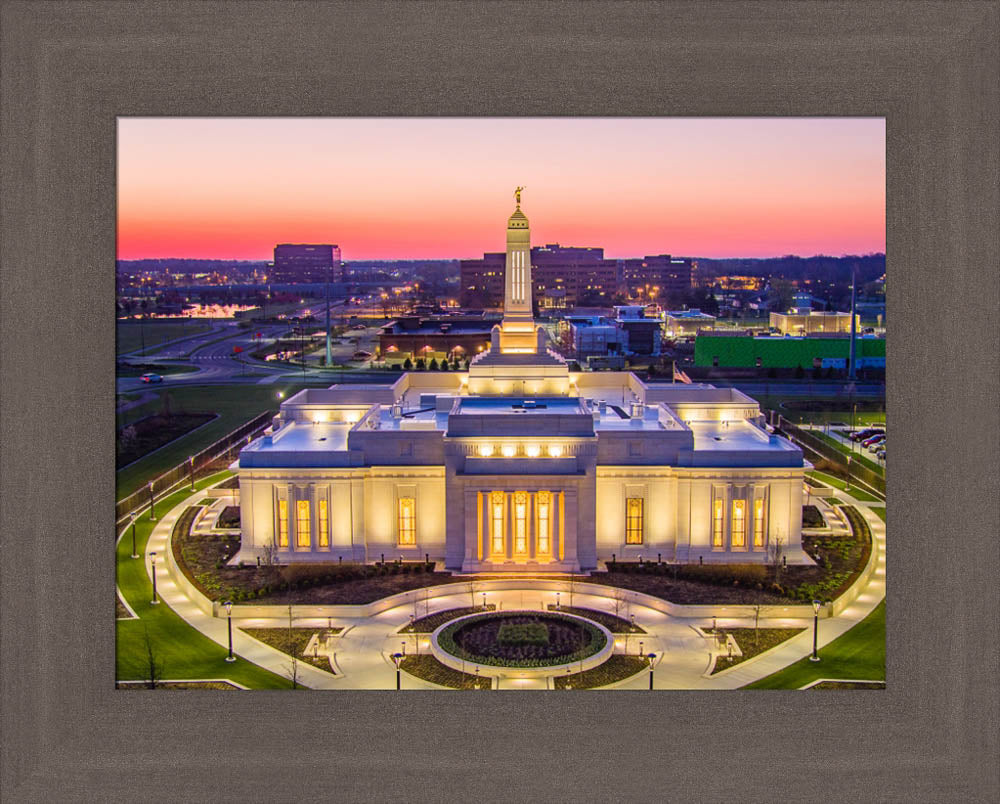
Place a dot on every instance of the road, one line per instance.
(212, 353)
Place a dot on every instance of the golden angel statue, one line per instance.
(517, 195)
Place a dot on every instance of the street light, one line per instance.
(484, 601)
(191, 463)
(134, 553)
(816, 605)
(557, 601)
(397, 658)
(229, 619)
(152, 503)
(640, 647)
(652, 658)
(152, 558)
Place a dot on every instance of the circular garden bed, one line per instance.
(522, 641)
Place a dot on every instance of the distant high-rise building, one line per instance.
(300, 262)
(563, 276)
(658, 278)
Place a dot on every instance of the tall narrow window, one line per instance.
(496, 515)
(520, 522)
(758, 523)
(324, 524)
(282, 523)
(543, 503)
(739, 523)
(633, 520)
(718, 519)
(407, 521)
(302, 524)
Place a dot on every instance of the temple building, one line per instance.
(521, 465)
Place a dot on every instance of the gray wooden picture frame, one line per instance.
(70, 68)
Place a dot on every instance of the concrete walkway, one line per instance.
(362, 652)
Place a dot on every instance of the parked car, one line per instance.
(873, 441)
(868, 432)
(880, 451)
(151, 378)
(362, 355)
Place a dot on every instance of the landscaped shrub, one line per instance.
(570, 640)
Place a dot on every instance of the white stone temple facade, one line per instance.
(520, 465)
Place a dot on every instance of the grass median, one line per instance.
(855, 455)
(184, 651)
(860, 654)
(837, 483)
(132, 335)
(234, 404)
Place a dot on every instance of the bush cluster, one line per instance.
(480, 646)
(749, 576)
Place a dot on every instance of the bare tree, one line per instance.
(154, 666)
(775, 554)
(473, 588)
(269, 559)
(292, 672)
(756, 624)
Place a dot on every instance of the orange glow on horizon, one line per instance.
(420, 188)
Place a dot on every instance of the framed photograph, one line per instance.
(502, 358)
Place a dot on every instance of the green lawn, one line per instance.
(235, 404)
(860, 654)
(879, 512)
(840, 410)
(837, 483)
(131, 333)
(184, 651)
(856, 455)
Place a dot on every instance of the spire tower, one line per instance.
(517, 331)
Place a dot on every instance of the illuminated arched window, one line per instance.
(633, 520)
(302, 534)
(543, 503)
(520, 522)
(718, 523)
(758, 523)
(407, 521)
(324, 524)
(496, 520)
(739, 523)
(282, 523)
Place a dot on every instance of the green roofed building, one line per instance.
(784, 352)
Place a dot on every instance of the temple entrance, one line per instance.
(521, 526)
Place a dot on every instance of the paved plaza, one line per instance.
(362, 652)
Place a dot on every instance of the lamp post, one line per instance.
(134, 553)
(652, 658)
(152, 503)
(191, 471)
(557, 601)
(816, 605)
(484, 601)
(229, 620)
(397, 658)
(152, 558)
(640, 647)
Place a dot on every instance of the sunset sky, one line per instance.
(384, 188)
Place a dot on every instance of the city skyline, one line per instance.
(421, 188)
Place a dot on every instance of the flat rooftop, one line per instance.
(412, 419)
(520, 406)
(735, 436)
(298, 437)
